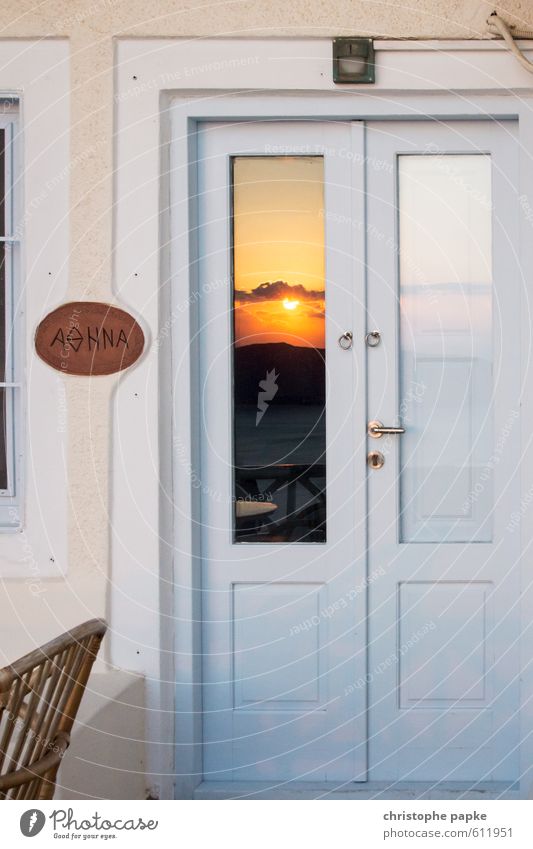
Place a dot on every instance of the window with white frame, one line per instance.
(11, 310)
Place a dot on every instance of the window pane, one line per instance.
(3, 283)
(4, 200)
(278, 353)
(3, 412)
(3, 232)
(3, 439)
(446, 347)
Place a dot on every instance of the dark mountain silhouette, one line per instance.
(301, 373)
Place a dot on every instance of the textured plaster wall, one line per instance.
(91, 26)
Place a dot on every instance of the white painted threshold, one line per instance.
(369, 790)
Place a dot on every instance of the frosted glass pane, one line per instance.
(445, 220)
(445, 347)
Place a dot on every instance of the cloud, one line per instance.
(277, 292)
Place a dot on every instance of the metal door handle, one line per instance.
(376, 429)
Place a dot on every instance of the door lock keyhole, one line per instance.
(375, 459)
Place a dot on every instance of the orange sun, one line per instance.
(290, 305)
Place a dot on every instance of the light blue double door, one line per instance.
(359, 590)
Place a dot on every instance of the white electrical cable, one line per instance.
(505, 32)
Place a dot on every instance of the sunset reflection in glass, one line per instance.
(279, 356)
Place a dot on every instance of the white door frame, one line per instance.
(154, 493)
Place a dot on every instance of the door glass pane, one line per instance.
(446, 347)
(278, 350)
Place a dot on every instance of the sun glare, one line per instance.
(290, 305)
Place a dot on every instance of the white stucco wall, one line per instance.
(91, 27)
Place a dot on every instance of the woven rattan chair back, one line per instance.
(39, 697)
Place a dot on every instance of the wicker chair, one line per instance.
(39, 697)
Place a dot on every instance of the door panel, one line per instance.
(283, 554)
(443, 291)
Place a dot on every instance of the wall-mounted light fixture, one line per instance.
(353, 60)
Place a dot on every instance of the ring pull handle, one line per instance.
(346, 340)
(373, 338)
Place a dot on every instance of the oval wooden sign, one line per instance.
(89, 338)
